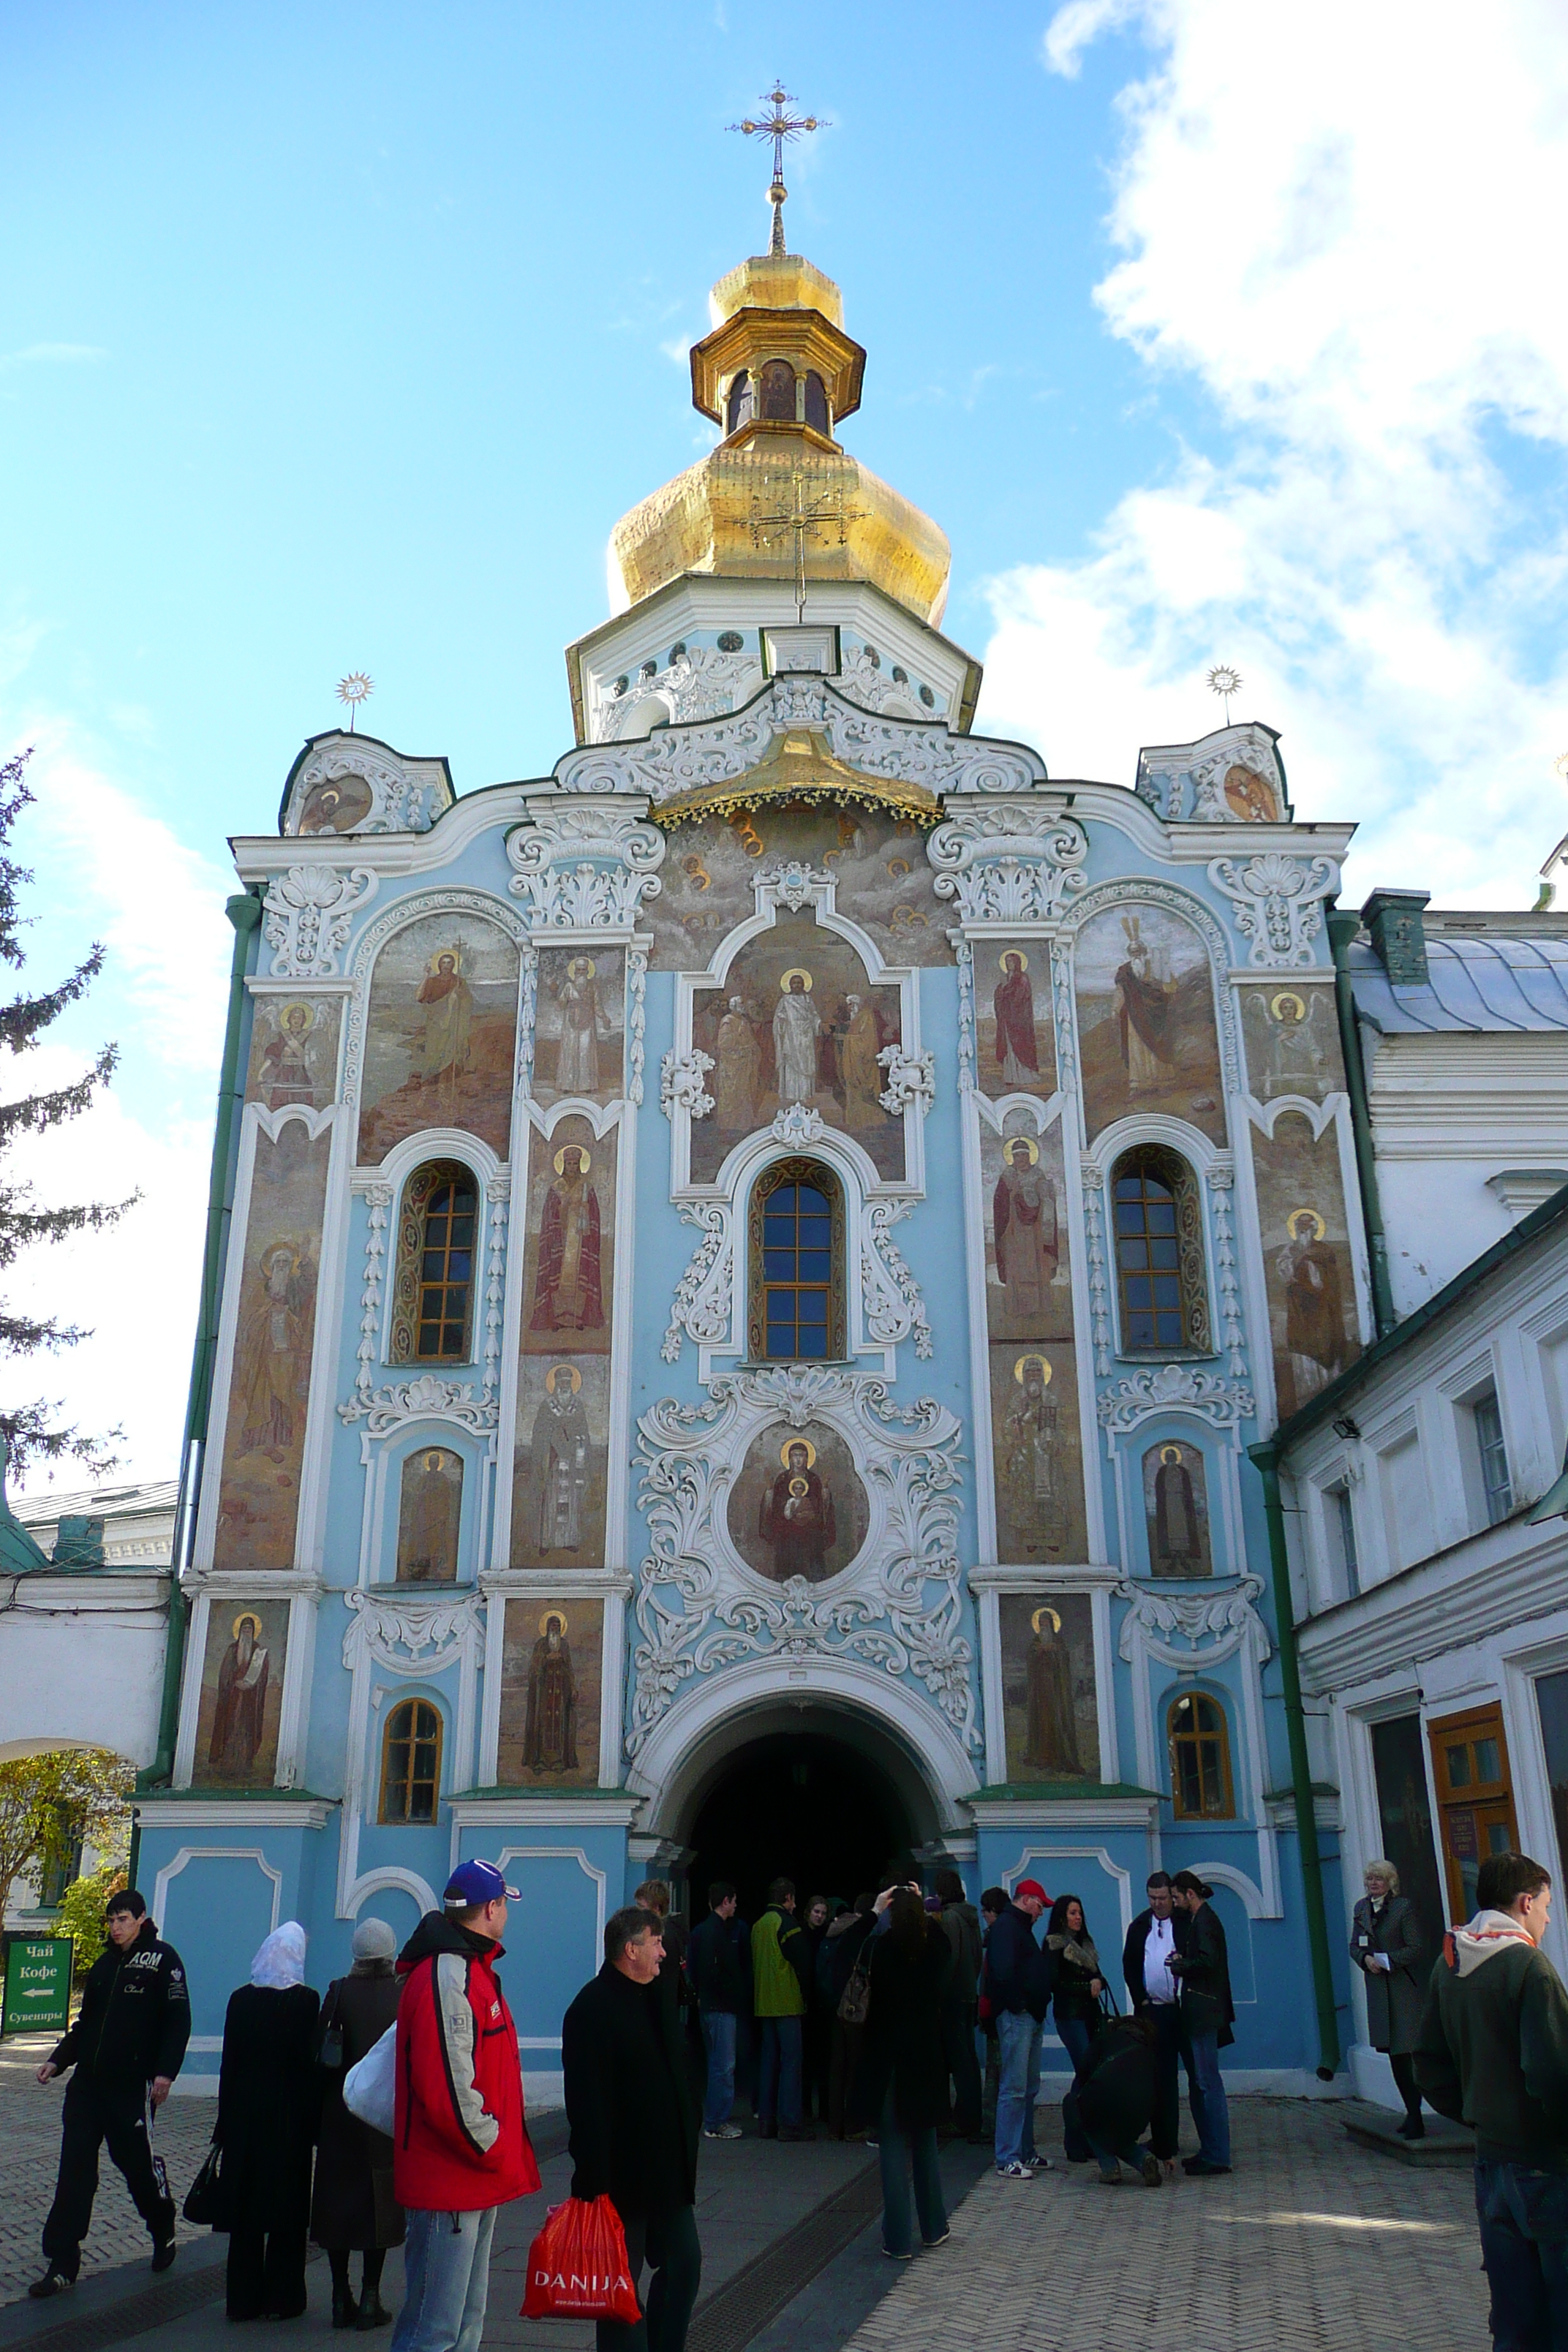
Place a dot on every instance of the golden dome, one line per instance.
(778, 496)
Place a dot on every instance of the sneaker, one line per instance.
(892, 2257)
(723, 2131)
(1038, 2163)
(53, 2282)
(932, 2243)
(1017, 2170)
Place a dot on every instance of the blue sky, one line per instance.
(339, 338)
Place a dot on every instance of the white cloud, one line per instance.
(1344, 233)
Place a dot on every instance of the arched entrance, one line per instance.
(800, 1805)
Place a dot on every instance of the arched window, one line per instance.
(739, 411)
(1159, 1230)
(778, 389)
(1200, 1759)
(433, 1290)
(411, 1762)
(796, 1259)
(816, 414)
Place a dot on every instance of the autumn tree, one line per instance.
(32, 1431)
(51, 1804)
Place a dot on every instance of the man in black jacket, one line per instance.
(1207, 2014)
(126, 2046)
(634, 2128)
(1018, 1986)
(718, 1978)
(960, 1926)
(1146, 1959)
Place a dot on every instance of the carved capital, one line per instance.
(307, 915)
(1279, 903)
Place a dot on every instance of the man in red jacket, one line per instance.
(461, 2146)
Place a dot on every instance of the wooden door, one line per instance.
(1475, 1799)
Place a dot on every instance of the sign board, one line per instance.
(38, 1984)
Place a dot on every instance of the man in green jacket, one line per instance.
(1493, 2053)
(781, 1957)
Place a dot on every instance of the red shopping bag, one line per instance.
(578, 2265)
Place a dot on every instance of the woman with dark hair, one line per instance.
(840, 1948)
(902, 2090)
(1077, 1982)
(1207, 2014)
(267, 2098)
(353, 2210)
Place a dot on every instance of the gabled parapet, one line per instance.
(354, 784)
(1234, 775)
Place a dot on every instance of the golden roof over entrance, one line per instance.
(798, 766)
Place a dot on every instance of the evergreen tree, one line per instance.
(32, 1431)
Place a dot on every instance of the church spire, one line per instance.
(778, 126)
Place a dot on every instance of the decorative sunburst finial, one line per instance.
(1559, 767)
(1225, 681)
(356, 688)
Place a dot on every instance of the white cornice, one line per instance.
(1065, 1812)
(522, 1809)
(1492, 1584)
(232, 1813)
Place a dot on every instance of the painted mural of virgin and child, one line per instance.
(798, 1507)
(797, 1522)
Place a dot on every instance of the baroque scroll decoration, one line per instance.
(702, 1297)
(1007, 864)
(307, 915)
(891, 1300)
(414, 1636)
(896, 1608)
(582, 868)
(912, 1081)
(1220, 1402)
(1279, 904)
(1178, 1628)
(404, 796)
(680, 1087)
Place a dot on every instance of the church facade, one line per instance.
(780, 1231)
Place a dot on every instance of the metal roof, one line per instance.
(1474, 984)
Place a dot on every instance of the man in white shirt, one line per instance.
(1152, 1986)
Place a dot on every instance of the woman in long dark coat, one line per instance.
(353, 2210)
(901, 2083)
(1387, 1946)
(265, 2123)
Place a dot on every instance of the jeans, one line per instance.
(1075, 2037)
(778, 2079)
(670, 2243)
(963, 2064)
(1205, 2096)
(1523, 2216)
(1165, 2123)
(719, 2034)
(899, 2152)
(446, 2277)
(1018, 2036)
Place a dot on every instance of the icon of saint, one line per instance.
(583, 1023)
(273, 1349)
(549, 1724)
(1050, 1743)
(563, 1460)
(285, 1073)
(336, 806)
(739, 1058)
(797, 1516)
(567, 1295)
(863, 1075)
(431, 1508)
(1032, 1472)
(796, 1031)
(1144, 1003)
(449, 1010)
(1179, 1547)
(1315, 1343)
(1295, 1062)
(1014, 1000)
(239, 1717)
(1024, 1220)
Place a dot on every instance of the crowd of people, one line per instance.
(864, 2019)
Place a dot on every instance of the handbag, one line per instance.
(204, 2201)
(855, 2002)
(329, 2047)
(577, 2266)
(370, 2089)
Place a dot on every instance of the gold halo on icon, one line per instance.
(285, 1018)
(1170, 1453)
(553, 1374)
(1011, 1143)
(898, 867)
(554, 1617)
(1293, 1220)
(584, 1156)
(798, 1487)
(434, 1459)
(1044, 1370)
(1287, 996)
(1001, 958)
(787, 1448)
(440, 958)
(581, 968)
(795, 971)
(1052, 1614)
(247, 1617)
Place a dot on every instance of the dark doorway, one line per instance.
(798, 1805)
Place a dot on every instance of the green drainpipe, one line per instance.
(1301, 1768)
(1343, 928)
(245, 913)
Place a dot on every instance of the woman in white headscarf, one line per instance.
(265, 2124)
(353, 2210)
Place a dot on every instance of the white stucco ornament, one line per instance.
(681, 1077)
(1007, 864)
(307, 915)
(1279, 903)
(582, 867)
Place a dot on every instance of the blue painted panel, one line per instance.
(1231, 1912)
(217, 1910)
(552, 1944)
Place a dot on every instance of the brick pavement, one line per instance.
(29, 2154)
(1311, 2242)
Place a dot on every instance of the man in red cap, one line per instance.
(1018, 1982)
(461, 2147)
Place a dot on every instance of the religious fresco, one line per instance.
(579, 1024)
(242, 1694)
(1307, 1260)
(1048, 1698)
(885, 883)
(551, 1662)
(570, 1257)
(1038, 1454)
(1292, 1042)
(429, 1515)
(336, 804)
(1246, 794)
(798, 1507)
(796, 1021)
(1147, 1040)
(294, 1051)
(263, 1433)
(560, 1462)
(440, 1035)
(1028, 1280)
(1176, 1506)
(1016, 1046)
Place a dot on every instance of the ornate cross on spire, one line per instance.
(779, 126)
